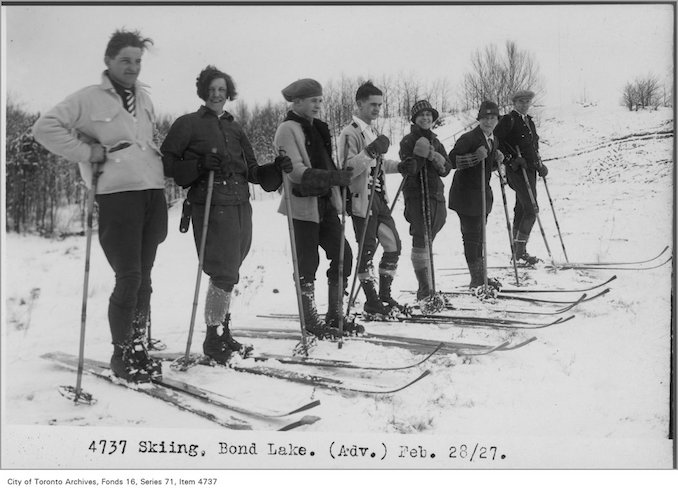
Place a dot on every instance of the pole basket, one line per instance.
(82, 397)
(433, 303)
(304, 347)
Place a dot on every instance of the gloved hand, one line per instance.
(98, 154)
(210, 162)
(499, 158)
(542, 170)
(341, 177)
(378, 146)
(422, 148)
(410, 167)
(518, 163)
(438, 161)
(481, 153)
(283, 163)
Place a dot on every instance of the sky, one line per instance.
(583, 51)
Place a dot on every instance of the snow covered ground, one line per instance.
(603, 375)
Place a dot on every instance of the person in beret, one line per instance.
(519, 141)
(362, 147)
(473, 149)
(424, 163)
(315, 199)
(211, 140)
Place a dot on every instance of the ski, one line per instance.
(613, 263)
(336, 363)
(321, 362)
(413, 344)
(620, 267)
(557, 311)
(534, 300)
(220, 399)
(493, 323)
(174, 395)
(573, 265)
(303, 378)
(557, 290)
(324, 381)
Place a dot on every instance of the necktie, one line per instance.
(130, 102)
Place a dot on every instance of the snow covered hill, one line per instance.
(604, 374)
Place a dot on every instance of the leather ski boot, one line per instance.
(521, 253)
(124, 365)
(313, 323)
(373, 305)
(230, 343)
(213, 346)
(385, 282)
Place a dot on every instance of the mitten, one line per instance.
(378, 146)
(422, 148)
(438, 161)
(542, 170)
(210, 162)
(518, 163)
(283, 163)
(481, 152)
(341, 177)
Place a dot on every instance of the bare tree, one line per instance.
(643, 92)
(496, 76)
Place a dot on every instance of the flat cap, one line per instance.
(522, 94)
(303, 88)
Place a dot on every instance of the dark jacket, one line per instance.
(512, 131)
(195, 134)
(412, 186)
(465, 194)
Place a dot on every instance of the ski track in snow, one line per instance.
(603, 374)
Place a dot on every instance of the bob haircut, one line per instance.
(209, 74)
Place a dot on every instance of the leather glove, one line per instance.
(542, 170)
(410, 167)
(378, 146)
(283, 163)
(499, 158)
(422, 148)
(210, 162)
(438, 161)
(341, 177)
(481, 153)
(518, 163)
(98, 154)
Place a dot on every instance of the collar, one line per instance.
(524, 117)
(205, 111)
(108, 84)
(428, 133)
(362, 125)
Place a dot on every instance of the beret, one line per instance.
(303, 88)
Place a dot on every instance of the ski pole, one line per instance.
(426, 213)
(536, 209)
(363, 234)
(85, 285)
(201, 260)
(502, 184)
(295, 263)
(483, 195)
(340, 271)
(553, 209)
